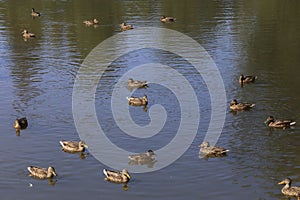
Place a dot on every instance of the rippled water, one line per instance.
(37, 78)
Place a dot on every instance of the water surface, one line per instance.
(37, 77)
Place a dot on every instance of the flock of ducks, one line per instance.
(94, 22)
(208, 151)
(270, 122)
(123, 176)
(80, 146)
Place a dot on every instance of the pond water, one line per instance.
(37, 78)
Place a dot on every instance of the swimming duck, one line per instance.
(247, 79)
(72, 146)
(136, 84)
(206, 149)
(21, 123)
(26, 34)
(137, 101)
(167, 19)
(125, 27)
(117, 177)
(34, 13)
(91, 22)
(287, 189)
(235, 106)
(148, 156)
(271, 122)
(42, 173)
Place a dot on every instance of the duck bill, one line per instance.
(128, 175)
(281, 183)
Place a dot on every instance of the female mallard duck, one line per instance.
(125, 27)
(287, 189)
(21, 123)
(247, 79)
(91, 22)
(235, 106)
(167, 19)
(42, 173)
(26, 34)
(137, 101)
(72, 146)
(34, 13)
(142, 157)
(271, 122)
(117, 177)
(136, 84)
(208, 150)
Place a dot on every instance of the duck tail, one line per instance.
(128, 98)
(252, 105)
(292, 123)
(61, 143)
(29, 168)
(105, 172)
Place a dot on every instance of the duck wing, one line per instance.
(109, 173)
(69, 144)
(37, 171)
(218, 150)
(139, 156)
(284, 122)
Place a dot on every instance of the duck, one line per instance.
(125, 27)
(148, 156)
(20, 123)
(208, 150)
(235, 106)
(35, 13)
(42, 173)
(167, 19)
(247, 79)
(136, 84)
(137, 101)
(73, 146)
(117, 177)
(91, 22)
(288, 189)
(271, 122)
(26, 34)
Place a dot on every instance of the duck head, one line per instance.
(269, 120)
(204, 144)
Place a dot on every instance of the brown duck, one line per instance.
(148, 156)
(42, 173)
(26, 34)
(208, 150)
(167, 19)
(35, 13)
(117, 177)
(20, 123)
(247, 79)
(91, 22)
(235, 106)
(73, 146)
(125, 27)
(288, 189)
(271, 122)
(136, 83)
(137, 101)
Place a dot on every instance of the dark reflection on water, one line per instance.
(37, 76)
